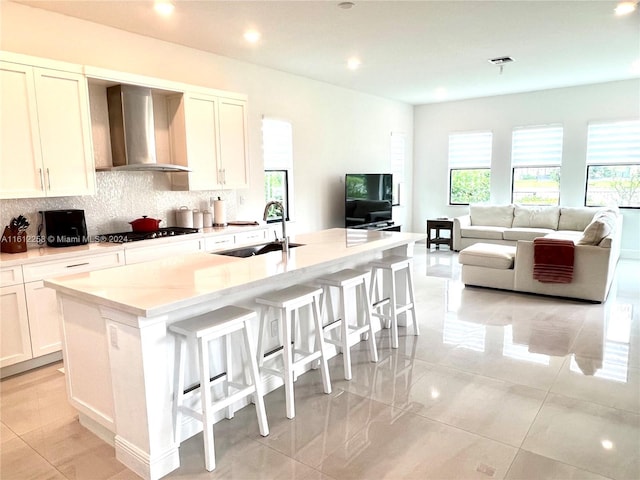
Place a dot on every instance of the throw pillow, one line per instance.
(601, 226)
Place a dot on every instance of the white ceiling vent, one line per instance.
(501, 60)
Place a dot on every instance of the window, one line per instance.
(536, 156)
(469, 167)
(613, 164)
(277, 149)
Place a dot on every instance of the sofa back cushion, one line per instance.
(536, 217)
(576, 218)
(491, 215)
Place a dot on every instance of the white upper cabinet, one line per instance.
(45, 133)
(233, 142)
(209, 135)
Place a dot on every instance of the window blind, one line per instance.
(277, 144)
(537, 146)
(613, 143)
(470, 150)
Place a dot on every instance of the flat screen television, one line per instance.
(368, 199)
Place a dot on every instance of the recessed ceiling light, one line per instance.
(252, 36)
(346, 5)
(163, 7)
(353, 63)
(607, 444)
(624, 8)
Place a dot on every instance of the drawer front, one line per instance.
(250, 237)
(218, 242)
(86, 263)
(145, 254)
(11, 276)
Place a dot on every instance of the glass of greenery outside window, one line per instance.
(536, 185)
(276, 187)
(613, 185)
(469, 186)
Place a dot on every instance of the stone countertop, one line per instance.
(42, 254)
(162, 286)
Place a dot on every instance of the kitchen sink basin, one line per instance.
(253, 250)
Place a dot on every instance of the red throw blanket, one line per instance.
(553, 260)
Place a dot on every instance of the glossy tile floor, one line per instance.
(498, 385)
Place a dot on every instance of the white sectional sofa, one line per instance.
(498, 249)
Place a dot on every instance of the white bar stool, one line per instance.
(388, 308)
(348, 281)
(288, 302)
(204, 328)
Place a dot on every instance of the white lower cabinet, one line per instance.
(15, 344)
(218, 242)
(42, 307)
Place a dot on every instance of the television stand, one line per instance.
(384, 227)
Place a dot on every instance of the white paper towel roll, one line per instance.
(219, 213)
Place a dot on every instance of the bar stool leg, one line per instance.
(263, 320)
(344, 336)
(288, 363)
(416, 329)
(394, 314)
(229, 377)
(373, 351)
(207, 417)
(178, 386)
(324, 367)
(257, 381)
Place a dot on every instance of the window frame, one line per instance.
(519, 155)
(598, 161)
(275, 161)
(456, 163)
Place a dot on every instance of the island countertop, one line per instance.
(161, 286)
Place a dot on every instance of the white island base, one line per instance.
(119, 358)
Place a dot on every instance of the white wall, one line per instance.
(335, 130)
(572, 107)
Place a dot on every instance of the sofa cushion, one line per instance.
(576, 218)
(525, 233)
(492, 233)
(536, 217)
(488, 255)
(491, 215)
(566, 235)
(602, 225)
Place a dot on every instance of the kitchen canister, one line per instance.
(219, 213)
(198, 218)
(207, 219)
(184, 217)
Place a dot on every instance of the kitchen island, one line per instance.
(119, 357)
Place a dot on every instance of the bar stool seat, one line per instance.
(288, 302)
(219, 323)
(348, 281)
(388, 308)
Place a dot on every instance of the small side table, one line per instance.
(439, 225)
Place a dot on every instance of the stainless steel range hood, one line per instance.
(133, 142)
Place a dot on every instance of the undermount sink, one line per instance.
(253, 250)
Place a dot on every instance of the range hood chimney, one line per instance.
(133, 142)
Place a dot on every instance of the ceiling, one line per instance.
(413, 51)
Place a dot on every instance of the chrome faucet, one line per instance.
(285, 240)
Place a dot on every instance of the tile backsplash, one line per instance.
(120, 198)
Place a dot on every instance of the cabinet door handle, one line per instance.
(77, 265)
(41, 179)
(224, 175)
(49, 179)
